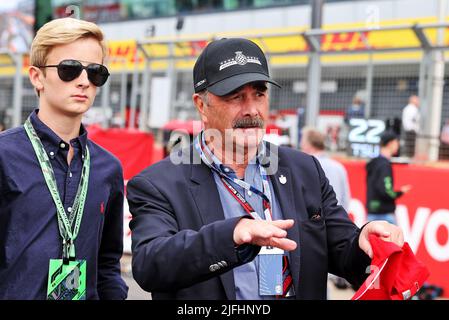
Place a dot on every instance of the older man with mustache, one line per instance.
(239, 218)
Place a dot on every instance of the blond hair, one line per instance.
(314, 137)
(59, 32)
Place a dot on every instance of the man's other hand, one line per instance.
(386, 231)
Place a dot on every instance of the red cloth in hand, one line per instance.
(396, 274)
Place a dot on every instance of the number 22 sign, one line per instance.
(364, 137)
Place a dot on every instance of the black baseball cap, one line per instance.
(387, 136)
(229, 63)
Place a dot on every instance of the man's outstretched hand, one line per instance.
(264, 233)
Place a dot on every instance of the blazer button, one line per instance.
(213, 267)
(224, 263)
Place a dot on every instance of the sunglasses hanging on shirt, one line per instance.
(69, 70)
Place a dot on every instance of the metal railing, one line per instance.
(355, 63)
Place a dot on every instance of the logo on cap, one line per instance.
(239, 59)
(200, 83)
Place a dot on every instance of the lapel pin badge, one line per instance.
(282, 179)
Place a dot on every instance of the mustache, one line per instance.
(249, 123)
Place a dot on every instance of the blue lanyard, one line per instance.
(211, 161)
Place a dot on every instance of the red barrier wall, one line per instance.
(135, 149)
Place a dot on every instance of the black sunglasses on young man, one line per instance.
(70, 69)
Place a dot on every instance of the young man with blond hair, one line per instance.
(61, 199)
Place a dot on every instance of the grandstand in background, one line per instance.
(383, 80)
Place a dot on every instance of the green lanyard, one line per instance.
(64, 222)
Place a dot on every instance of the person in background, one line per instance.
(444, 137)
(410, 125)
(313, 143)
(381, 196)
(444, 141)
(355, 110)
(61, 195)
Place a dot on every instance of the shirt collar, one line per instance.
(51, 141)
(320, 155)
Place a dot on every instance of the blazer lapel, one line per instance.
(207, 199)
(283, 190)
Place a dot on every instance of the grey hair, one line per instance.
(204, 96)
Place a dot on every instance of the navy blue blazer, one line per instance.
(183, 246)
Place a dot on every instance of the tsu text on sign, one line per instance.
(364, 137)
